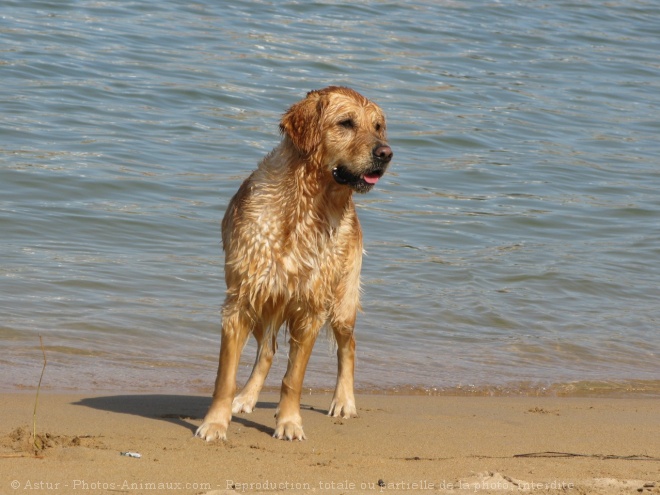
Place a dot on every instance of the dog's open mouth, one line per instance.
(360, 183)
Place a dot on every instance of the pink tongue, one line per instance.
(371, 178)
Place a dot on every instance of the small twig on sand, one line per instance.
(596, 456)
(36, 400)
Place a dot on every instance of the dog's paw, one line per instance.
(343, 408)
(289, 430)
(243, 404)
(212, 431)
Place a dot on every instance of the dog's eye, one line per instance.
(377, 126)
(347, 124)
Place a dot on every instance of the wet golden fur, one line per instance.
(293, 252)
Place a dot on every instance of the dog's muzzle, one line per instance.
(364, 182)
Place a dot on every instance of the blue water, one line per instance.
(513, 248)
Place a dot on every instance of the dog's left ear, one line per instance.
(302, 122)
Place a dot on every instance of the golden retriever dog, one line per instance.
(293, 252)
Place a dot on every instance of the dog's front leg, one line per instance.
(343, 401)
(235, 330)
(289, 421)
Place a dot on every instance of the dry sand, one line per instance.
(399, 444)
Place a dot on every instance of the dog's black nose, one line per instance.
(383, 153)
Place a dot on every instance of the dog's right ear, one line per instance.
(302, 122)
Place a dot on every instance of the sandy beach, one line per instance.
(398, 444)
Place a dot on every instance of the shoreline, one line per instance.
(411, 444)
(607, 389)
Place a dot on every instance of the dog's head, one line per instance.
(343, 132)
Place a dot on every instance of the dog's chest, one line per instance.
(304, 254)
(312, 244)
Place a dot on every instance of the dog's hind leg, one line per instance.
(267, 345)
